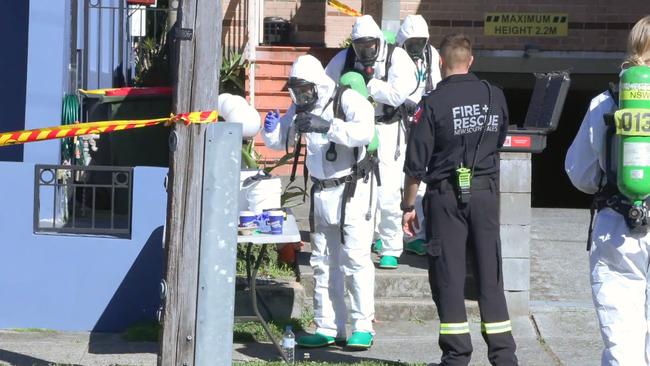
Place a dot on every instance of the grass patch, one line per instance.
(247, 332)
(270, 268)
(144, 331)
(33, 330)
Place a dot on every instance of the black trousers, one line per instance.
(451, 226)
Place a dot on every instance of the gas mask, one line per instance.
(366, 49)
(303, 94)
(415, 47)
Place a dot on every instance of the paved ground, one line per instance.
(561, 330)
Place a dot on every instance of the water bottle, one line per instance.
(288, 344)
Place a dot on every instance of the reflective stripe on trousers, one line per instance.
(454, 328)
(496, 328)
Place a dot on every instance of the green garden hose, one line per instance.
(70, 115)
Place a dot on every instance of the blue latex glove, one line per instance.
(271, 121)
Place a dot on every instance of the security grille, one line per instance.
(83, 200)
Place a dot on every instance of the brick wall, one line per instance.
(594, 25)
(234, 34)
(307, 19)
(339, 25)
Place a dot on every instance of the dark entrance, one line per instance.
(550, 185)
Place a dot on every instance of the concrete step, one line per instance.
(276, 299)
(398, 309)
(387, 285)
(409, 280)
(409, 309)
(401, 294)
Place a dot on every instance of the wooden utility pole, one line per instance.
(197, 45)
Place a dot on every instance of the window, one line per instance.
(83, 200)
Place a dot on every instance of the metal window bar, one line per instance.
(106, 213)
(109, 23)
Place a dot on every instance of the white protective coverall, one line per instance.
(399, 84)
(618, 259)
(414, 26)
(336, 266)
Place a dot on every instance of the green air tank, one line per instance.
(390, 37)
(354, 80)
(633, 130)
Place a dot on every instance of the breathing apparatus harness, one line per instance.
(464, 175)
(427, 60)
(390, 114)
(407, 113)
(365, 169)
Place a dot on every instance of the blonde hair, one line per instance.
(638, 44)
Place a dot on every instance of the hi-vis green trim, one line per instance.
(454, 328)
(494, 328)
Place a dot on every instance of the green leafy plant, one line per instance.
(346, 42)
(253, 331)
(233, 73)
(270, 267)
(152, 60)
(248, 155)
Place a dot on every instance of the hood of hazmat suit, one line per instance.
(367, 40)
(413, 35)
(308, 69)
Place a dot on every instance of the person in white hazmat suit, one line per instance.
(618, 257)
(341, 199)
(413, 37)
(389, 73)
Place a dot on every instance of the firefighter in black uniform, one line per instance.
(453, 149)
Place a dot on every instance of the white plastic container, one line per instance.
(261, 194)
(243, 201)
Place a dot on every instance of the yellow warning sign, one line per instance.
(526, 24)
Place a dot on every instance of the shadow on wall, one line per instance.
(138, 296)
(373, 8)
(234, 35)
(308, 23)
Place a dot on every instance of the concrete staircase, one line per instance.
(272, 69)
(400, 295)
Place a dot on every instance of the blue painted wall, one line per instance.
(79, 283)
(46, 74)
(14, 20)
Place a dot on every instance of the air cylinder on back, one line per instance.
(633, 128)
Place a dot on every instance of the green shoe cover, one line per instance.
(315, 340)
(388, 262)
(376, 247)
(360, 340)
(416, 247)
